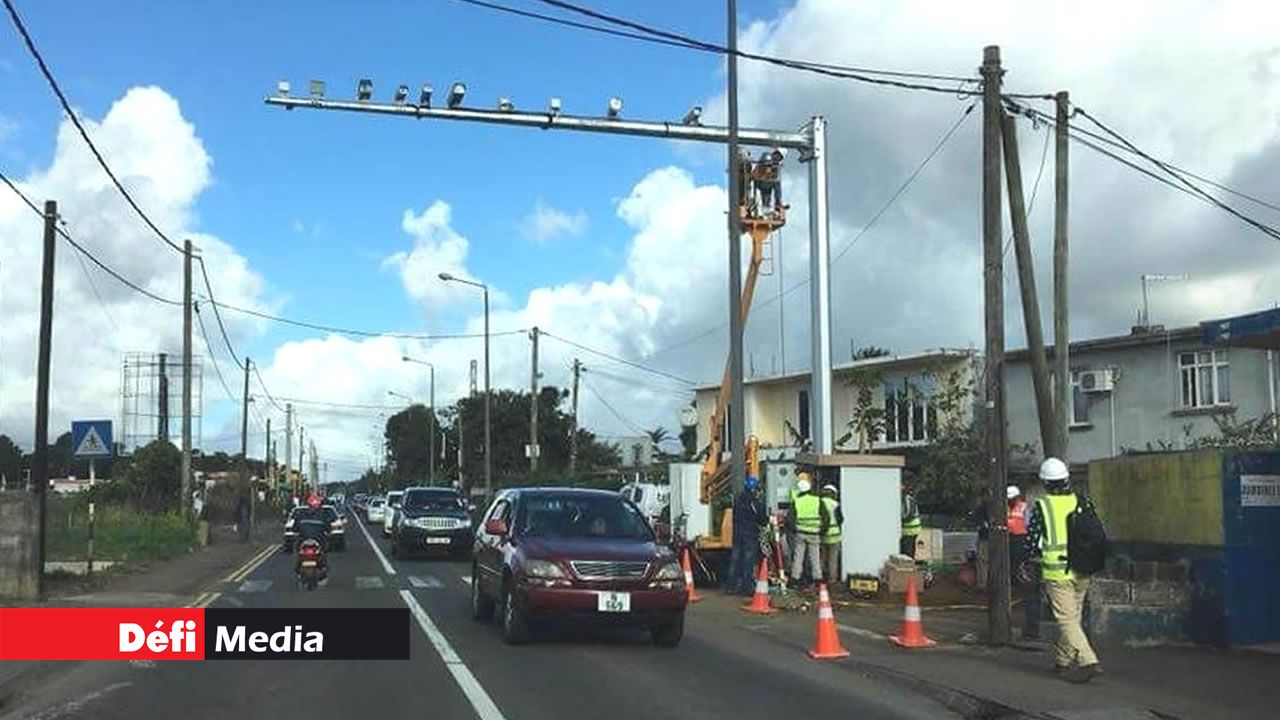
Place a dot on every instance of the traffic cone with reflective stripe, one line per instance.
(912, 635)
(688, 577)
(760, 601)
(827, 644)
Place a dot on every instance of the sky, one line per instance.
(614, 243)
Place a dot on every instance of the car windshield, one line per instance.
(432, 500)
(325, 514)
(393, 499)
(580, 516)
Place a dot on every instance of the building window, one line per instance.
(909, 416)
(1205, 378)
(1079, 401)
(803, 403)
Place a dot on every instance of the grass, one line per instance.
(120, 533)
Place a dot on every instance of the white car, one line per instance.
(375, 510)
(389, 515)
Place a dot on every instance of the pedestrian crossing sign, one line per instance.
(91, 439)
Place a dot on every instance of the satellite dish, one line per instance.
(688, 416)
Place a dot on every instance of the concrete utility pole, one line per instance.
(737, 402)
(1027, 286)
(288, 448)
(302, 451)
(573, 433)
(186, 378)
(533, 404)
(998, 591)
(1061, 306)
(268, 469)
(244, 440)
(40, 453)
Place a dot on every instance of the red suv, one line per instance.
(578, 555)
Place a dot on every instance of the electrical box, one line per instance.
(870, 489)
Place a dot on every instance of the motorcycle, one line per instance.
(312, 564)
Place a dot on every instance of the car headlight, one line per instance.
(670, 571)
(542, 569)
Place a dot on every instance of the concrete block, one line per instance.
(1105, 591)
(1120, 625)
(1161, 594)
(19, 574)
(1144, 570)
(1119, 567)
(1177, 572)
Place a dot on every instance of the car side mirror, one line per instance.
(495, 526)
(471, 507)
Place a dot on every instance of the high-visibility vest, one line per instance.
(832, 535)
(1018, 517)
(808, 514)
(912, 524)
(1053, 543)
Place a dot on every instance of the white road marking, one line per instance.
(208, 598)
(376, 550)
(142, 663)
(234, 600)
(254, 586)
(862, 632)
(425, 582)
(369, 582)
(75, 706)
(466, 579)
(471, 688)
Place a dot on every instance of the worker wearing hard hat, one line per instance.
(749, 518)
(807, 513)
(1025, 574)
(767, 174)
(832, 520)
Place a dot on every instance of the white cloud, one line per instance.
(546, 223)
(437, 249)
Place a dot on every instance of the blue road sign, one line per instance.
(91, 439)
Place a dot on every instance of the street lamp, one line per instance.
(488, 449)
(431, 471)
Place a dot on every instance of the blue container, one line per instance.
(1251, 537)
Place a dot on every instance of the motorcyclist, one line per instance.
(311, 525)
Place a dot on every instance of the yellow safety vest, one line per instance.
(1053, 543)
(912, 525)
(832, 535)
(808, 514)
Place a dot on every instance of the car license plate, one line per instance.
(308, 563)
(438, 541)
(613, 602)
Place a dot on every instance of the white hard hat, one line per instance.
(829, 488)
(1012, 491)
(803, 485)
(1054, 470)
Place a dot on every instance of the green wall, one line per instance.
(1164, 498)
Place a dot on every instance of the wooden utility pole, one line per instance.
(533, 404)
(1027, 286)
(998, 591)
(1061, 307)
(573, 433)
(288, 449)
(244, 443)
(268, 470)
(40, 453)
(186, 379)
(302, 451)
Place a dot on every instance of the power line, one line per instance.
(235, 357)
(213, 359)
(612, 409)
(1035, 187)
(75, 120)
(615, 358)
(355, 332)
(633, 382)
(321, 403)
(263, 384)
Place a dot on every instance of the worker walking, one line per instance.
(807, 511)
(1026, 575)
(832, 521)
(911, 522)
(749, 518)
(1048, 536)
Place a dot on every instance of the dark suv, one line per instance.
(431, 519)
(577, 555)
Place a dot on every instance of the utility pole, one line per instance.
(40, 454)
(1027, 286)
(186, 379)
(573, 436)
(268, 469)
(288, 448)
(533, 405)
(1061, 308)
(244, 441)
(998, 591)
(302, 451)
(737, 403)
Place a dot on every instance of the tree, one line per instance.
(408, 442)
(866, 422)
(153, 478)
(10, 463)
(1254, 434)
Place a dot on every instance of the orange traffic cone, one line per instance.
(688, 577)
(912, 635)
(827, 644)
(760, 601)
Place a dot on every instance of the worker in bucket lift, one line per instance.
(832, 520)
(807, 511)
(749, 518)
(768, 178)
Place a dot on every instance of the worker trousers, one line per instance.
(831, 561)
(1066, 597)
(806, 547)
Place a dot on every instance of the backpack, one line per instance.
(1086, 540)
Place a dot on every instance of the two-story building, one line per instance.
(778, 410)
(1153, 389)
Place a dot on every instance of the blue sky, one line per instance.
(346, 179)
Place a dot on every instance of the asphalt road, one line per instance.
(461, 669)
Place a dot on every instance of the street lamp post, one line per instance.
(431, 443)
(488, 449)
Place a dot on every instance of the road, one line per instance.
(461, 669)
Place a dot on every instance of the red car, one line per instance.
(574, 555)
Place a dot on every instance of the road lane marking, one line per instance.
(862, 632)
(425, 582)
(376, 550)
(471, 688)
(206, 599)
(73, 707)
(369, 582)
(254, 586)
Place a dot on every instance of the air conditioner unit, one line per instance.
(1094, 381)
